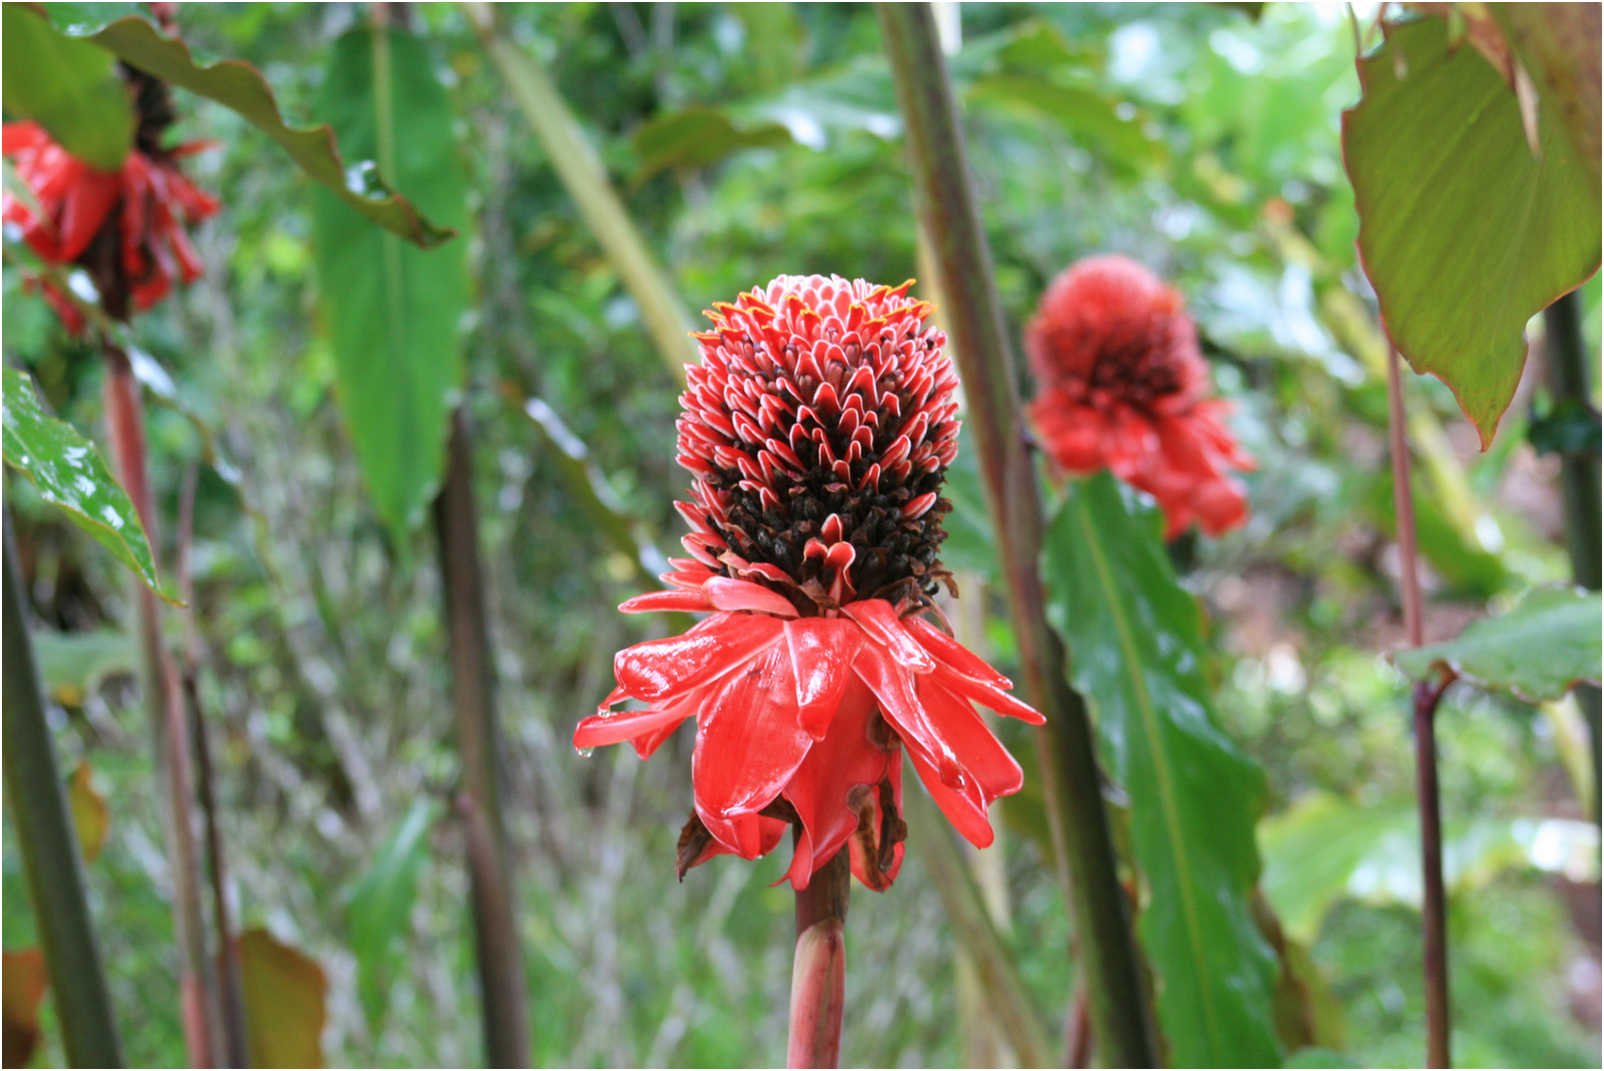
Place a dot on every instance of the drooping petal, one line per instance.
(893, 686)
(615, 726)
(821, 649)
(960, 800)
(987, 696)
(880, 621)
(662, 669)
(984, 758)
(653, 601)
(748, 742)
(821, 790)
(947, 650)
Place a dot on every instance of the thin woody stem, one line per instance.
(1070, 778)
(1426, 698)
(818, 976)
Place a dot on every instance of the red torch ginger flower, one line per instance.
(817, 429)
(1124, 387)
(146, 203)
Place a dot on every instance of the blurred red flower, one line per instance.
(1123, 386)
(817, 428)
(144, 205)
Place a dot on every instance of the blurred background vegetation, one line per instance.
(749, 140)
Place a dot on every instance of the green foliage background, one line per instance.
(1184, 136)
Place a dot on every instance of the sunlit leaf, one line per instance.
(1464, 233)
(69, 87)
(1137, 655)
(286, 995)
(239, 86)
(69, 472)
(394, 313)
(1546, 643)
(91, 818)
(378, 907)
(24, 983)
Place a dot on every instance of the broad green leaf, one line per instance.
(69, 472)
(378, 907)
(90, 815)
(239, 86)
(1325, 848)
(1464, 233)
(285, 994)
(70, 88)
(393, 312)
(1546, 643)
(697, 137)
(1468, 568)
(1137, 655)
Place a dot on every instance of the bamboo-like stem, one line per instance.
(169, 727)
(1579, 482)
(818, 974)
(586, 180)
(49, 846)
(502, 983)
(1070, 778)
(1007, 1000)
(230, 994)
(1434, 915)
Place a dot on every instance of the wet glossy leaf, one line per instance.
(237, 85)
(1538, 650)
(379, 907)
(1137, 655)
(286, 995)
(393, 312)
(90, 815)
(1464, 233)
(24, 983)
(69, 87)
(69, 472)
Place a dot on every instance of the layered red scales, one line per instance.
(817, 428)
(1123, 386)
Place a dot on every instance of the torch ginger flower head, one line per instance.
(817, 429)
(1123, 386)
(139, 210)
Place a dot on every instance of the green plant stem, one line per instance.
(1433, 914)
(818, 974)
(1070, 778)
(1006, 998)
(169, 727)
(586, 180)
(49, 846)
(502, 983)
(1579, 482)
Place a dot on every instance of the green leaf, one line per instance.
(69, 87)
(239, 86)
(69, 472)
(1325, 848)
(74, 664)
(378, 907)
(1102, 124)
(1137, 655)
(393, 313)
(697, 137)
(1464, 233)
(1545, 644)
(285, 994)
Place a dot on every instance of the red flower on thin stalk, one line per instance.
(139, 210)
(817, 429)
(1123, 386)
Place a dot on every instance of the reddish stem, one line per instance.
(1434, 913)
(818, 975)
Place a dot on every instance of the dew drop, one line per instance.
(586, 752)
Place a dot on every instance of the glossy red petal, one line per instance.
(987, 696)
(880, 621)
(821, 650)
(983, 756)
(899, 703)
(661, 669)
(727, 594)
(653, 601)
(961, 802)
(748, 742)
(821, 788)
(614, 726)
(947, 650)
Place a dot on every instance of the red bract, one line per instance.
(1123, 386)
(817, 429)
(148, 201)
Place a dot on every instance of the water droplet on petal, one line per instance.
(586, 752)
